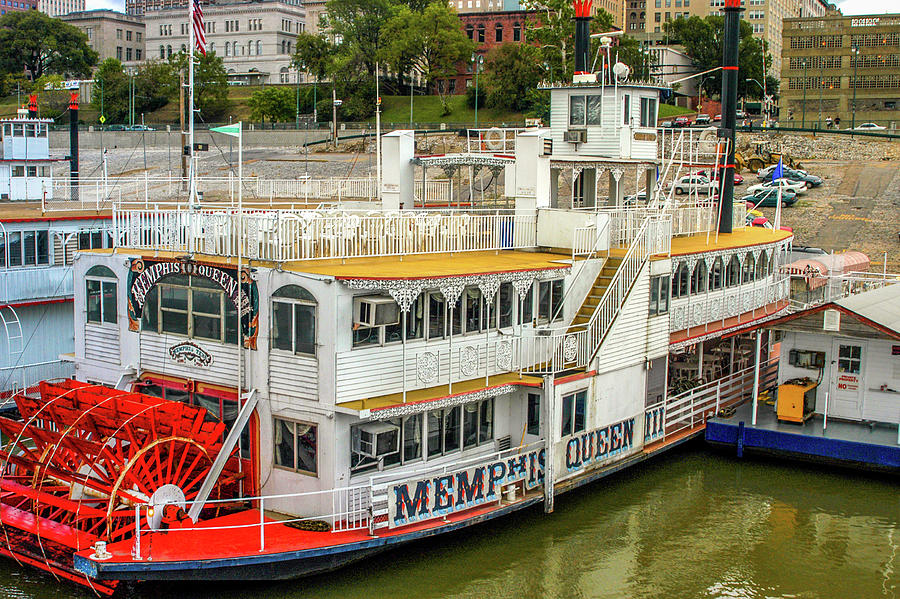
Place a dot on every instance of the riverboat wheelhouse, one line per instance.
(264, 392)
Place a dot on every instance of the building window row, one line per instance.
(817, 41)
(25, 248)
(875, 82)
(814, 83)
(874, 40)
(875, 61)
(238, 49)
(165, 30)
(814, 62)
(232, 26)
(687, 282)
(254, 24)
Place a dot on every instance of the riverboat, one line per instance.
(265, 392)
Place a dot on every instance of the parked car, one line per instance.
(636, 199)
(702, 119)
(765, 174)
(718, 117)
(682, 121)
(869, 127)
(797, 187)
(667, 124)
(140, 128)
(694, 182)
(738, 178)
(741, 114)
(762, 221)
(116, 128)
(769, 198)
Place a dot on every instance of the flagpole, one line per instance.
(192, 185)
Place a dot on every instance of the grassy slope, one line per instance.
(667, 110)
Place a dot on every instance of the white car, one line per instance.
(869, 127)
(696, 183)
(785, 184)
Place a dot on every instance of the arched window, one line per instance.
(470, 31)
(236, 48)
(250, 48)
(749, 268)
(183, 48)
(283, 47)
(517, 32)
(643, 15)
(716, 274)
(634, 15)
(762, 265)
(294, 320)
(733, 272)
(100, 295)
(698, 277)
(480, 34)
(212, 46)
(258, 47)
(162, 51)
(289, 48)
(168, 51)
(680, 281)
(283, 75)
(498, 32)
(227, 48)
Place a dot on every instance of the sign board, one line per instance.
(848, 382)
(102, 119)
(593, 448)
(435, 496)
(868, 22)
(188, 352)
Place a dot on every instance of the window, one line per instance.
(648, 112)
(128, 36)
(715, 274)
(119, 53)
(749, 268)
(849, 359)
(626, 110)
(25, 248)
(550, 295)
(470, 32)
(574, 408)
(127, 53)
(680, 280)
(733, 272)
(118, 34)
(699, 277)
(533, 422)
(498, 33)
(258, 47)
(18, 171)
(517, 32)
(227, 48)
(659, 295)
(194, 307)
(296, 445)
(584, 110)
(100, 296)
(444, 430)
(478, 423)
(93, 240)
(762, 265)
(294, 320)
(138, 53)
(481, 34)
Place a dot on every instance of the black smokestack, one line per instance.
(729, 106)
(73, 144)
(32, 106)
(582, 36)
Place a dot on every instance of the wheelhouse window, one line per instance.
(25, 248)
(533, 420)
(574, 413)
(100, 295)
(585, 110)
(680, 281)
(294, 320)
(762, 265)
(749, 268)
(659, 295)
(193, 307)
(648, 112)
(296, 445)
(92, 240)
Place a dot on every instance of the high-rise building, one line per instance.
(139, 7)
(256, 40)
(111, 34)
(58, 8)
(16, 6)
(635, 17)
(841, 67)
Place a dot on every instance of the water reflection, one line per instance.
(691, 525)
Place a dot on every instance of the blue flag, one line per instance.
(778, 173)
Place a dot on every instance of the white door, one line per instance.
(847, 381)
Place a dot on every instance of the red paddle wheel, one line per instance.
(81, 457)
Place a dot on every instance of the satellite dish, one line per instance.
(621, 71)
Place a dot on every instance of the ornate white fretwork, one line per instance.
(504, 355)
(427, 366)
(570, 348)
(457, 160)
(445, 402)
(468, 360)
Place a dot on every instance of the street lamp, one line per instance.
(765, 104)
(297, 117)
(805, 85)
(477, 60)
(548, 66)
(855, 51)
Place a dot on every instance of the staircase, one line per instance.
(595, 295)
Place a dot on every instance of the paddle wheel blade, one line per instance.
(81, 457)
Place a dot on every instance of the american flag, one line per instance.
(199, 33)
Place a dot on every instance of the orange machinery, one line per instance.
(797, 400)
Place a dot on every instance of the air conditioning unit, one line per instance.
(375, 439)
(575, 136)
(375, 311)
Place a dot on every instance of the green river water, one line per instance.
(688, 525)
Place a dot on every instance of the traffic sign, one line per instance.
(102, 119)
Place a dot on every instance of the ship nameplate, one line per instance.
(190, 353)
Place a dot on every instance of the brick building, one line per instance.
(16, 6)
(111, 34)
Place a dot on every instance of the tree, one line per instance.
(704, 40)
(553, 32)
(274, 103)
(155, 85)
(359, 25)
(210, 83)
(111, 84)
(313, 54)
(39, 44)
(511, 71)
(431, 42)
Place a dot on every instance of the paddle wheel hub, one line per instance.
(82, 457)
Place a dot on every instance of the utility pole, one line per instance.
(805, 85)
(298, 101)
(184, 157)
(855, 51)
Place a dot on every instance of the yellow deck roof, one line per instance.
(441, 391)
(415, 266)
(11, 211)
(741, 237)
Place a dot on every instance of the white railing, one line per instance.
(25, 378)
(146, 192)
(283, 235)
(692, 408)
(708, 307)
(491, 141)
(32, 283)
